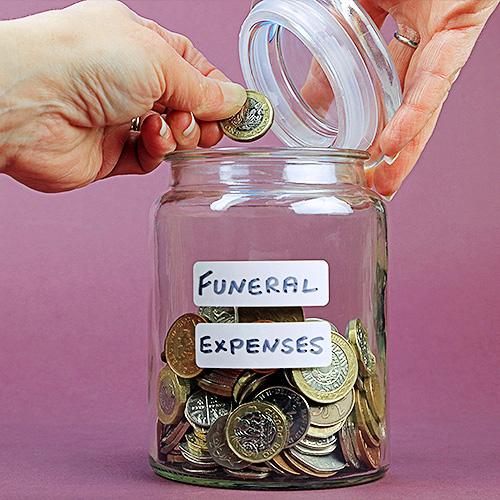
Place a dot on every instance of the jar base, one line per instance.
(215, 480)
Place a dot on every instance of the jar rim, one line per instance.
(271, 152)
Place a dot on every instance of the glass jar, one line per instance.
(267, 344)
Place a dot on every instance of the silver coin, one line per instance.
(325, 450)
(324, 463)
(220, 450)
(204, 408)
(318, 442)
(347, 443)
(219, 314)
(294, 407)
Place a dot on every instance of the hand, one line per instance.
(72, 80)
(446, 31)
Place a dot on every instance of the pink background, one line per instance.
(74, 300)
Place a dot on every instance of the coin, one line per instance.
(180, 345)
(219, 314)
(370, 455)
(252, 121)
(218, 382)
(358, 336)
(253, 386)
(346, 443)
(204, 408)
(332, 413)
(376, 399)
(321, 464)
(274, 314)
(365, 421)
(200, 460)
(172, 438)
(248, 474)
(293, 406)
(324, 432)
(220, 450)
(282, 466)
(257, 431)
(171, 398)
(331, 383)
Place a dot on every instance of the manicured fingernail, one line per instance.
(391, 159)
(164, 127)
(188, 132)
(390, 197)
(234, 95)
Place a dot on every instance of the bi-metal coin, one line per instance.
(172, 392)
(358, 336)
(252, 121)
(331, 383)
(257, 431)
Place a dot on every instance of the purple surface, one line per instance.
(74, 301)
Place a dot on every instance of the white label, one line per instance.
(263, 345)
(261, 283)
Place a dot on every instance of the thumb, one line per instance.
(186, 89)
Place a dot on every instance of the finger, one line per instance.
(141, 152)
(211, 134)
(186, 89)
(317, 91)
(387, 178)
(185, 129)
(431, 72)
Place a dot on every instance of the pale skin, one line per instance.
(72, 80)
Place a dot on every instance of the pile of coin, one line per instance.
(279, 423)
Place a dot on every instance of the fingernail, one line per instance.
(164, 127)
(234, 95)
(391, 159)
(390, 197)
(190, 128)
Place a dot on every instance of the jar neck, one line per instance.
(268, 168)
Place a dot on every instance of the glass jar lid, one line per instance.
(326, 69)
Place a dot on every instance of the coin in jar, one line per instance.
(358, 336)
(257, 431)
(252, 121)
(219, 314)
(293, 406)
(180, 345)
(330, 414)
(219, 449)
(172, 392)
(274, 314)
(375, 397)
(331, 383)
(204, 408)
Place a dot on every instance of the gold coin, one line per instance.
(358, 336)
(324, 432)
(180, 345)
(257, 431)
(331, 383)
(172, 392)
(270, 314)
(375, 397)
(366, 421)
(252, 121)
(332, 413)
